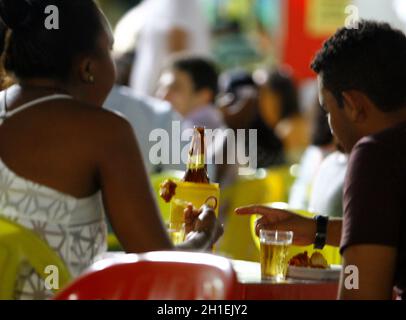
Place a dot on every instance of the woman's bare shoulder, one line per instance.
(97, 111)
(96, 123)
(93, 116)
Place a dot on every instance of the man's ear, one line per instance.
(356, 105)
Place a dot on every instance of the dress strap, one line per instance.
(3, 105)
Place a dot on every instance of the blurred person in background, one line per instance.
(157, 29)
(326, 195)
(128, 29)
(126, 37)
(190, 84)
(124, 62)
(239, 105)
(322, 144)
(319, 185)
(232, 47)
(143, 112)
(279, 108)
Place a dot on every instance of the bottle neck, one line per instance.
(196, 167)
(197, 159)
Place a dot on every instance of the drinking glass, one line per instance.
(274, 253)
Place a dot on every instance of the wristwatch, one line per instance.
(321, 232)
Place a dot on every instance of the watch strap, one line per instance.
(321, 232)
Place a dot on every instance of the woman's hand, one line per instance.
(204, 221)
(304, 229)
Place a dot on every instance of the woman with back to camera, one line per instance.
(63, 159)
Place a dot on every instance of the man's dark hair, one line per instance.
(31, 50)
(370, 59)
(202, 71)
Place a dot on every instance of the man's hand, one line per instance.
(304, 229)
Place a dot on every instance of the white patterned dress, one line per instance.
(74, 228)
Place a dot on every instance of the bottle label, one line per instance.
(196, 161)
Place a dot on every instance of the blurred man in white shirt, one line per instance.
(145, 115)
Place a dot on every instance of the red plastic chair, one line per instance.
(165, 275)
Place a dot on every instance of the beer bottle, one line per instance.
(196, 170)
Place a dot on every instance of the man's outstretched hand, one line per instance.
(304, 229)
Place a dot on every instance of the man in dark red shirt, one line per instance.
(362, 79)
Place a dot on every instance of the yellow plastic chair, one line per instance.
(112, 242)
(332, 254)
(18, 245)
(236, 242)
(280, 180)
(266, 186)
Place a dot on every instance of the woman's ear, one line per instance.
(355, 106)
(86, 71)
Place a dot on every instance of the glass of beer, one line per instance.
(274, 253)
(176, 232)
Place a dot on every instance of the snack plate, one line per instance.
(315, 274)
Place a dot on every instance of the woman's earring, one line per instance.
(91, 78)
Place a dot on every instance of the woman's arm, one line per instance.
(129, 200)
(127, 195)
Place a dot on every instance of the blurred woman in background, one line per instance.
(279, 107)
(321, 145)
(239, 106)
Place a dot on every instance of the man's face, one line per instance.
(177, 88)
(344, 130)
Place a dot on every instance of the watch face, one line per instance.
(320, 241)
